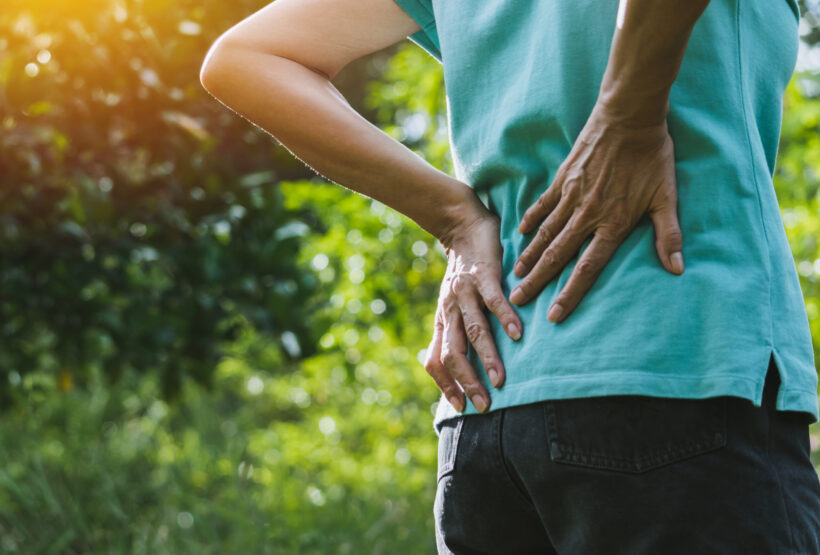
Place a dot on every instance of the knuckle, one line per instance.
(474, 331)
(673, 235)
(479, 268)
(457, 284)
(545, 234)
(549, 258)
(586, 267)
(449, 304)
(494, 301)
(572, 186)
(448, 358)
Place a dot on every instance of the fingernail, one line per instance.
(555, 312)
(493, 376)
(519, 268)
(677, 262)
(514, 332)
(456, 402)
(479, 403)
(516, 296)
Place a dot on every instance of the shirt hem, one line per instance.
(638, 383)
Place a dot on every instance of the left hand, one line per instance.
(471, 283)
(614, 174)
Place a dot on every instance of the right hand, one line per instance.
(472, 282)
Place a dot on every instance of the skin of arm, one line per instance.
(621, 165)
(274, 69)
(647, 50)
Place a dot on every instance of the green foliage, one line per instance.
(140, 223)
(146, 229)
(117, 470)
(338, 457)
(797, 183)
(410, 99)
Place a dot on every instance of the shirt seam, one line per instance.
(428, 20)
(753, 168)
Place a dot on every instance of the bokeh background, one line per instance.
(205, 347)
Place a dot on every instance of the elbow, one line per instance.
(232, 57)
(217, 67)
(208, 70)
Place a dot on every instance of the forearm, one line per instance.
(647, 50)
(304, 111)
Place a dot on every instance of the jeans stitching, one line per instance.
(499, 456)
(715, 436)
(450, 462)
(563, 453)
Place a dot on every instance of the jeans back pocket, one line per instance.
(448, 445)
(633, 433)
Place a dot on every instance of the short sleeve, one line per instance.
(422, 12)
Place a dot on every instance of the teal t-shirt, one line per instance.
(521, 79)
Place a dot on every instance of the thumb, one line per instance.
(668, 237)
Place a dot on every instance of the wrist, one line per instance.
(628, 132)
(458, 213)
(632, 109)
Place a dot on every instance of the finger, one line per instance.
(552, 261)
(478, 333)
(586, 271)
(668, 237)
(546, 234)
(541, 208)
(494, 299)
(435, 368)
(453, 351)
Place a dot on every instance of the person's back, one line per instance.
(521, 81)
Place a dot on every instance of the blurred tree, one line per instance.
(797, 183)
(141, 223)
(338, 457)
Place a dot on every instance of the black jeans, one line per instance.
(629, 474)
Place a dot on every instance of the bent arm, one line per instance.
(274, 68)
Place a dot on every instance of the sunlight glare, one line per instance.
(621, 13)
